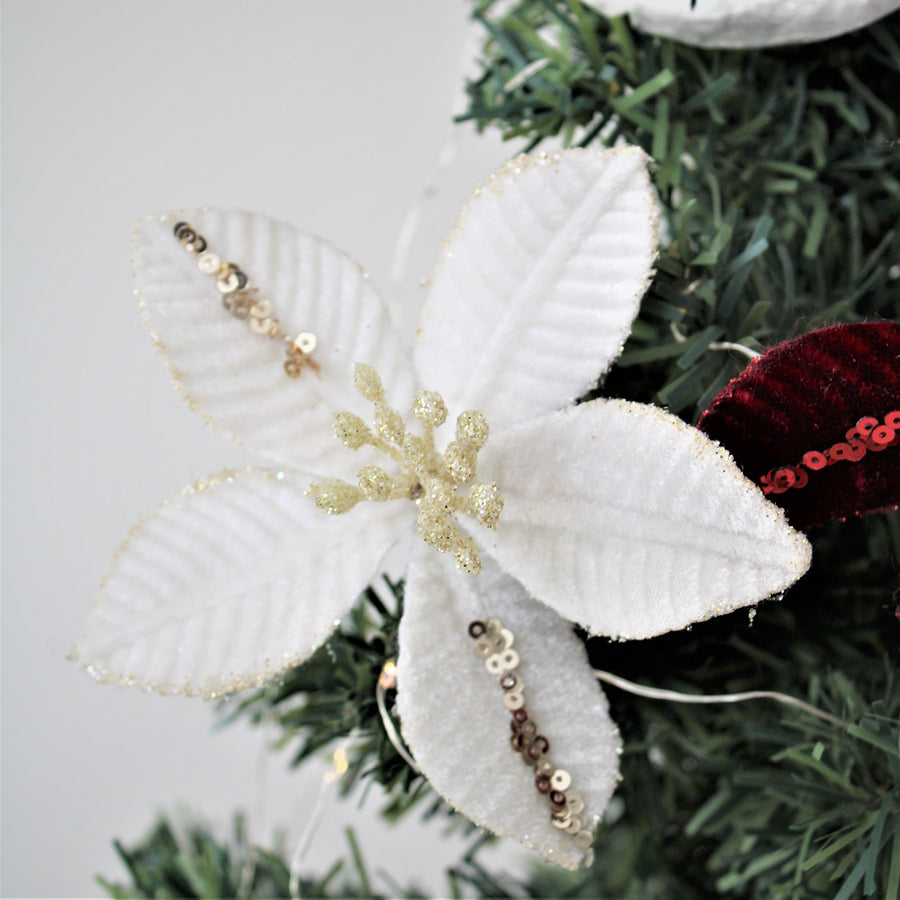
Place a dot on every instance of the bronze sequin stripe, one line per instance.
(244, 302)
(493, 644)
(867, 435)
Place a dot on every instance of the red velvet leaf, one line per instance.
(805, 395)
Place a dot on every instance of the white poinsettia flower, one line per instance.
(747, 23)
(615, 515)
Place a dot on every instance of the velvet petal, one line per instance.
(230, 582)
(630, 522)
(454, 720)
(805, 395)
(537, 286)
(235, 378)
(748, 23)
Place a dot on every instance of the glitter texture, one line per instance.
(425, 476)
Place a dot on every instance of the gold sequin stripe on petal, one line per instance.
(244, 301)
(494, 645)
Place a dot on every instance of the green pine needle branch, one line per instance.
(779, 172)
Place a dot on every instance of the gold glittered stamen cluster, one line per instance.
(244, 302)
(493, 644)
(430, 480)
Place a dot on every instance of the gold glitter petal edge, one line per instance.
(210, 691)
(236, 382)
(209, 599)
(678, 513)
(519, 354)
(582, 732)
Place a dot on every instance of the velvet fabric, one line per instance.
(805, 395)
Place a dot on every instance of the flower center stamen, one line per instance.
(431, 480)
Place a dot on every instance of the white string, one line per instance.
(661, 694)
(521, 77)
(717, 345)
(332, 776)
(306, 839)
(413, 217)
(445, 158)
(387, 679)
(179, 829)
(740, 348)
(256, 823)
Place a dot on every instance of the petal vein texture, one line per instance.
(229, 583)
(454, 720)
(538, 284)
(806, 394)
(236, 378)
(665, 533)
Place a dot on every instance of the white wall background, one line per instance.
(327, 114)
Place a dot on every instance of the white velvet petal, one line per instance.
(538, 284)
(235, 378)
(632, 523)
(747, 23)
(454, 720)
(230, 582)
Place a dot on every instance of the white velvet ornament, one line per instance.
(747, 23)
(618, 516)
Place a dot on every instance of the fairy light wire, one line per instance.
(387, 680)
(326, 788)
(676, 697)
(716, 345)
(257, 821)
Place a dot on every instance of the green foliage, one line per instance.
(756, 798)
(188, 861)
(778, 170)
(332, 696)
(750, 800)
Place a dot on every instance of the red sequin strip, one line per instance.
(868, 435)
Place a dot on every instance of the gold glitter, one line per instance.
(472, 427)
(335, 496)
(375, 483)
(368, 382)
(429, 408)
(461, 461)
(485, 505)
(467, 556)
(430, 480)
(388, 423)
(351, 431)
